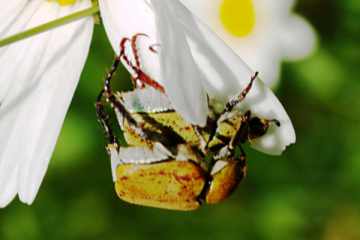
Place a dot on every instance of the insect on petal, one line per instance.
(210, 67)
(40, 83)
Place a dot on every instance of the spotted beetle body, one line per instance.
(169, 163)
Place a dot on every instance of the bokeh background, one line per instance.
(310, 192)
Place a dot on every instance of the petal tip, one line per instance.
(6, 199)
(27, 198)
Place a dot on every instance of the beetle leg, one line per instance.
(242, 132)
(159, 140)
(203, 142)
(103, 119)
(239, 98)
(236, 140)
(106, 92)
(118, 105)
(127, 62)
(134, 48)
(231, 104)
(142, 78)
(139, 78)
(122, 54)
(243, 161)
(223, 153)
(242, 156)
(102, 115)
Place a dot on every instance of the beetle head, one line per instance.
(257, 127)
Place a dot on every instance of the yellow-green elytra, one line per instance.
(185, 179)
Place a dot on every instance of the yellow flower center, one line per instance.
(238, 16)
(64, 2)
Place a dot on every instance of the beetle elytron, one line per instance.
(168, 162)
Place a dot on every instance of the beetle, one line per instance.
(169, 163)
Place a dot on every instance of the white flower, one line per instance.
(261, 32)
(39, 76)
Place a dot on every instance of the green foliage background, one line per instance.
(311, 192)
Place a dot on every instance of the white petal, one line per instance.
(41, 74)
(209, 11)
(10, 11)
(274, 8)
(125, 18)
(9, 191)
(298, 38)
(146, 100)
(267, 61)
(227, 75)
(180, 74)
(8, 57)
(10, 28)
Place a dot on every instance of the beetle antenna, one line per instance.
(152, 48)
(276, 122)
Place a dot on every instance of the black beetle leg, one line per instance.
(242, 132)
(239, 98)
(102, 115)
(109, 76)
(124, 114)
(203, 142)
(231, 104)
(103, 119)
(242, 156)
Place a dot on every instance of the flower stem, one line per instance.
(50, 25)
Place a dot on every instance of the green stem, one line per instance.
(50, 25)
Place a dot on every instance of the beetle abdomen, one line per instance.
(171, 185)
(225, 181)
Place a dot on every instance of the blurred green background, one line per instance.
(310, 192)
